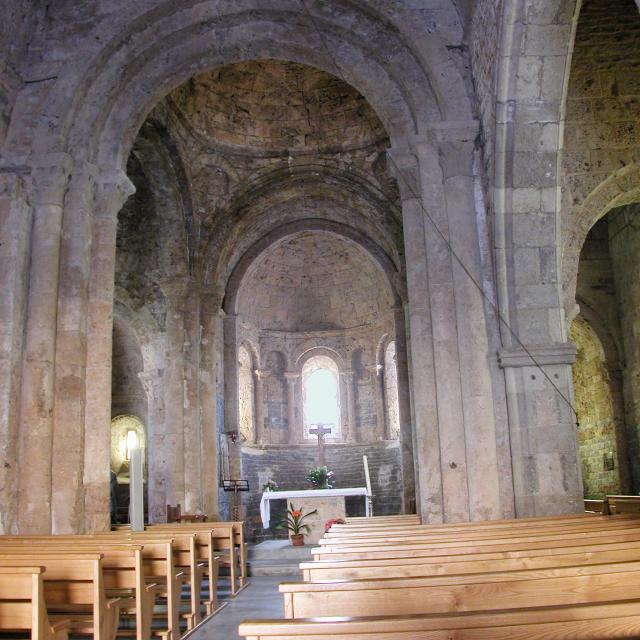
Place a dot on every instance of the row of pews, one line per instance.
(161, 582)
(570, 577)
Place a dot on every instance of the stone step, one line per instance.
(279, 550)
(275, 568)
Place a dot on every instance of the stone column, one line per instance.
(171, 447)
(295, 436)
(16, 216)
(258, 386)
(376, 373)
(426, 434)
(49, 183)
(111, 191)
(231, 406)
(67, 502)
(404, 408)
(350, 432)
(192, 426)
(209, 309)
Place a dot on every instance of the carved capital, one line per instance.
(50, 179)
(111, 192)
(291, 377)
(261, 374)
(534, 355)
(81, 188)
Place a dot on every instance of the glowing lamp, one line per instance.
(130, 443)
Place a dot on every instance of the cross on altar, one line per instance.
(320, 430)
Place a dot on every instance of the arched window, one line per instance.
(391, 390)
(321, 396)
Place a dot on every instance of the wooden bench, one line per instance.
(125, 568)
(474, 592)
(22, 605)
(623, 504)
(466, 564)
(74, 590)
(583, 622)
(417, 535)
(228, 542)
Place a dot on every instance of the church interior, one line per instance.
(249, 241)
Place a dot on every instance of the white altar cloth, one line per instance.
(267, 496)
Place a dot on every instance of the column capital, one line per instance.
(291, 377)
(347, 374)
(261, 374)
(534, 355)
(50, 175)
(113, 187)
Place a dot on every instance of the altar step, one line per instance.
(277, 558)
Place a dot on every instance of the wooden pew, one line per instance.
(623, 504)
(427, 535)
(73, 589)
(22, 605)
(364, 523)
(425, 548)
(410, 517)
(466, 564)
(583, 622)
(227, 538)
(474, 592)
(207, 561)
(488, 525)
(125, 568)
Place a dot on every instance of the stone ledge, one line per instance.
(544, 355)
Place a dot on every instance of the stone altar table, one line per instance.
(328, 502)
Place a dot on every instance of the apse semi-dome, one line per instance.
(314, 281)
(274, 105)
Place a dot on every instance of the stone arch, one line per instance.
(314, 351)
(619, 189)
(378, 256)
(130, 72)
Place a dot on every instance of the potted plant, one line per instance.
(293, 523)
(270, 485)
(321, 478)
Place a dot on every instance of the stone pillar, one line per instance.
(404, 408)
(349, 429)
(192, 426)
(295, 436)
(258, 386)
(171, 448)
(67, 500)
(376, 373)
(16, 216)
(426, 433)
(231, 405)
(453, 399)
(49, 183)
(111, 191)
(209, 309)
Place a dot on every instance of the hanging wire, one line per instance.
(407, 183)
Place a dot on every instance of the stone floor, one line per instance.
(260, 599)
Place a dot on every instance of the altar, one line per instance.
(329, 503)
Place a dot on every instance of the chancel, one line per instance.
(263, 241)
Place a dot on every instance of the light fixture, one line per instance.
(130, 443)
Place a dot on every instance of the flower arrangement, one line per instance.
(329, 523)
(293, 521)
(321, 478)
(270, 485)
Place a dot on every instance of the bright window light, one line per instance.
(321, 395)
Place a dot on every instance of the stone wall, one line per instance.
(594, 406)
(289, 467)
(624, 240)
(484, 44)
